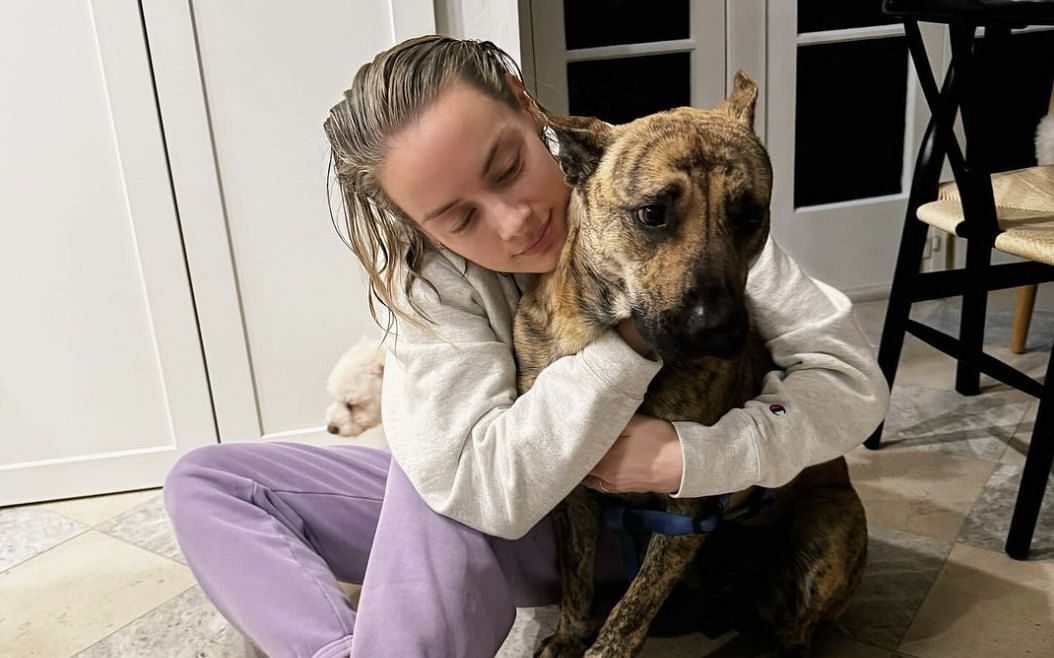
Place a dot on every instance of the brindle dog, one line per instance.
(666, 216)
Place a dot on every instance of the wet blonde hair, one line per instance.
(386, 95)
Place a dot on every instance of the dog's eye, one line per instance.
(653, 216)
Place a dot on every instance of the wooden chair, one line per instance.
(1009, 211)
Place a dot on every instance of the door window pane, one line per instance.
(823, 15)
(590, 23)
(849, 122)
(620, 90)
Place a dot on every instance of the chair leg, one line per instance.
(974, 305)
(912, 244)
(1026, 302)
(1034, 478)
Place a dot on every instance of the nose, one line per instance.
(513, 219)
(715, 323)
(708, 317)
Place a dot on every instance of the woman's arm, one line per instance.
(475, 451)
(829, 385)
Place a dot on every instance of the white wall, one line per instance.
(490, 20)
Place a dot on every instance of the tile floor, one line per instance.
(103, 576)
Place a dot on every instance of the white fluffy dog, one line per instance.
(1045, 140)
(355, 384)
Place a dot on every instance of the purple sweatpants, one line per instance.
(268, 529)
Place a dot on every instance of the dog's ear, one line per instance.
(582, 144)
(740, 103)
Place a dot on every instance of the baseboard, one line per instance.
(863, 294)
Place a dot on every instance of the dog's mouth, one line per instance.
(721, 346)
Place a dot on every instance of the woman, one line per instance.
(454, 202)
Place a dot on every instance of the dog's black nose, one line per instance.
(715, 328)
(706, 318)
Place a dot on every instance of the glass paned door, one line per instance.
(845, 117)
(622, 59)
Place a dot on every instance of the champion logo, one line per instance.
(778, 410)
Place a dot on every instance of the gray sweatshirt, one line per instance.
(499, 463)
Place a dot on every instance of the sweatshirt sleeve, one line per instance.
(475, 451)
(829, 389)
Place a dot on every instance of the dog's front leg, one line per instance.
(577, 524)
(627, 626)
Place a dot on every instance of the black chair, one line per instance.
(1011, 211)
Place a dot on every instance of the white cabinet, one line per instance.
(169, 273)
(102, 379)
(243, 89)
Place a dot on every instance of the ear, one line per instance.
(583, 141)
(740, 103)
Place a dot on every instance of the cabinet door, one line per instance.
(244, 88)
(102, 381)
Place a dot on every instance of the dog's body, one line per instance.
(666, 217)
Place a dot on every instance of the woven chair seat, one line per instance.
(1024, 202)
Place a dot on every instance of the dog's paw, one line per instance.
(557, 646)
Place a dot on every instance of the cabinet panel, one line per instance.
(279, 295)
(101, 375)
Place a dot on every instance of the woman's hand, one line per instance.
(629, 333)
(645, 458)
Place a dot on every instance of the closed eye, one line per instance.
(511, 172)
(464, 223)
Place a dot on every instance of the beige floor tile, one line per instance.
(922, 492)
(186, 626)
(872, 315)
(94, 510)
(984, 604)
(26, 531)
(922, 365)
(69, 597)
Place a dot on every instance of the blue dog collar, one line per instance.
(624, 520)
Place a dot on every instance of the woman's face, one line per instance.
(472, 173)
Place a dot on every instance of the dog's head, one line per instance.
(355, 385)
(673, 208)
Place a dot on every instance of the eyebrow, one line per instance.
(491, 154)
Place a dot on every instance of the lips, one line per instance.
(540, 241)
